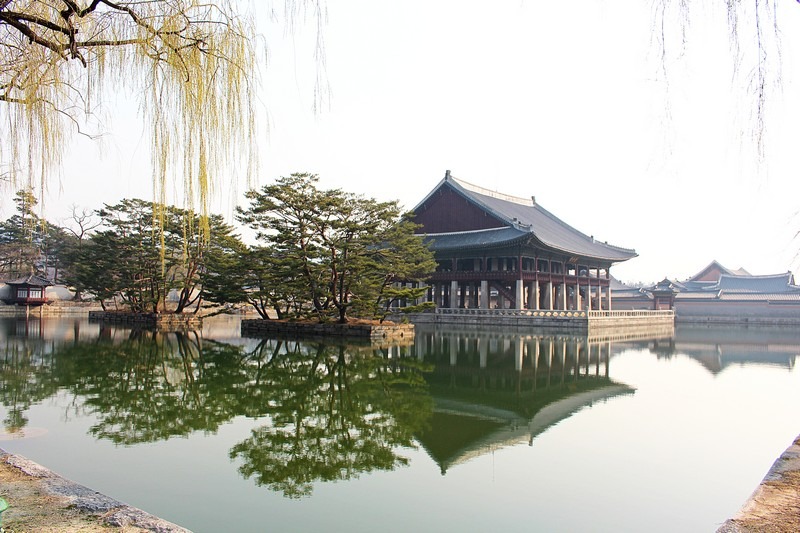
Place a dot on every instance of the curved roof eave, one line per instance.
(508, 236)
(588, 246)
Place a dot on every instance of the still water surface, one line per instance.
(463, 430)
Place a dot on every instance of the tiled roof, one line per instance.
(526, 217)
(468, 239)
(696, 296)
(763, 284)
(32, 279)
(751, 296)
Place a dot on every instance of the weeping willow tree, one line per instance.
(754, 39)
(191, 65)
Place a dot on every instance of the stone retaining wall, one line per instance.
(306, 329)
(56, 308)
(161, 321)
(574, 321)
(722, 320)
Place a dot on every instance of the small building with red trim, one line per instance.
(28, 290)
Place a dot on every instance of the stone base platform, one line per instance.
(368, 332)
(575, 321)
(159, 321)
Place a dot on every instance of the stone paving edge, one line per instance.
(110, 511)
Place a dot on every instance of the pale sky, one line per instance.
(565, 101)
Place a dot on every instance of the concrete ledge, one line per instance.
(775, 504)
(68, 494)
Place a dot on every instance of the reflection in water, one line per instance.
(332, 411)
(717, 347)
(495, 388)
(335, 411)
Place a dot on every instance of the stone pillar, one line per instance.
(608, 297)
(453, 294)
(589, 296)
(549, 296)
(536, 295)
(563, 300)
(520, 294)
(599, 297)
(484, 294)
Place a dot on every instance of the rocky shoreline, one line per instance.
(42, 501)
(775, 504)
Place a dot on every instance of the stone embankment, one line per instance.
(160, 321)
(775, 504)
(352, 330)
(43, 502)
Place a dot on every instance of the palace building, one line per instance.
(496, 251)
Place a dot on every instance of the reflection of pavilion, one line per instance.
(493, 389)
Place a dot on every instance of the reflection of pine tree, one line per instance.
(154, 386)
(335, 413)
(26, 378)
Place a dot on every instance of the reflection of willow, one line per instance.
(154, 385)
(335, 412)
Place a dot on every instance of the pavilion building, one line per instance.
(496, 251)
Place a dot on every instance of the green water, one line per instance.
(462, 430)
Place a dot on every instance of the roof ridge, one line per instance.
(494, 194)
(751, 276)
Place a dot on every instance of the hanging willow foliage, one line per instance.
(754, 35)
(191, 64)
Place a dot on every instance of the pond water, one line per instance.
(461, 430)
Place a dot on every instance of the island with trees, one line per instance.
(320, 257)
